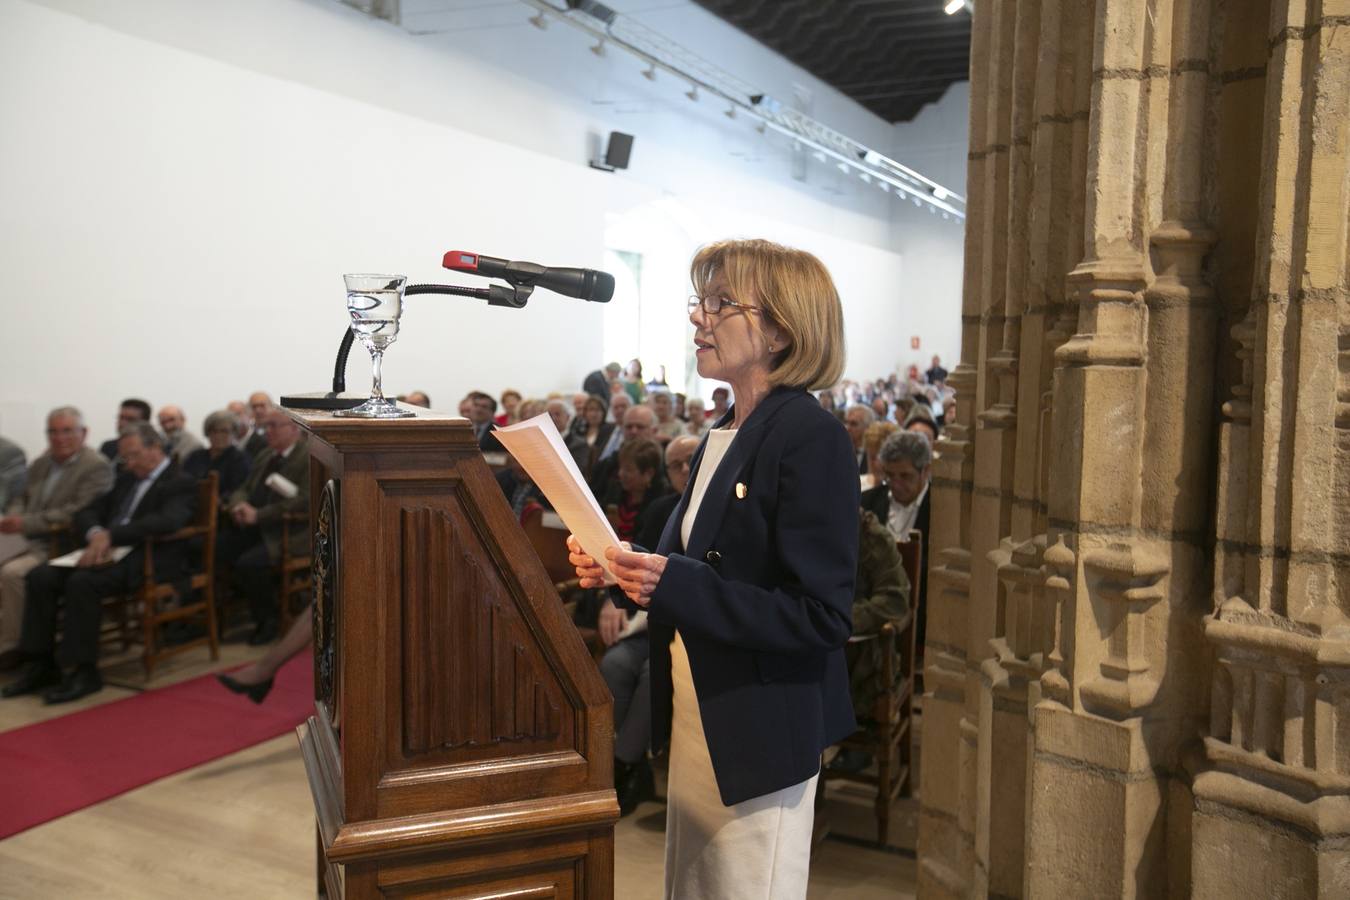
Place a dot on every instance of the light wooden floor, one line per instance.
(242, 826)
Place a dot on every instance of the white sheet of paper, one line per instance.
(71, 559)
(12, 545)
(537, 446)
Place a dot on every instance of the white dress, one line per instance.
(759, 849)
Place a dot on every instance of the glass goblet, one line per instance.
(375, 303)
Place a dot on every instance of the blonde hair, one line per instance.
(795, 291)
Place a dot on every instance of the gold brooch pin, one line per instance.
(741, 490)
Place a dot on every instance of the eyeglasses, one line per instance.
(714, 303)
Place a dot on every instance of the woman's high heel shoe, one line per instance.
(255, 692)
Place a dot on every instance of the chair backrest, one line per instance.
(208, 512)
(911, 556)
(549, 543)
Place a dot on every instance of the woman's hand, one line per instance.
(589, 573)
(638, 573)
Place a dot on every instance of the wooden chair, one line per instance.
(551, 546)
(889, 735)
(293, 570)
(148, 599)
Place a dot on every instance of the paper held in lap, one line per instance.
(537, 446)
(72, 559)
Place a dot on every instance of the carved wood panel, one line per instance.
(461, 618)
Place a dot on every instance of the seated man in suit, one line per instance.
(129, 413)
(13, 471)
(901, 503)
(151, 497)
(251, 543)
(61, 482)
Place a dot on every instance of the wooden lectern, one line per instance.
(462, 740)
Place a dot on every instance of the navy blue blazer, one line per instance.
(763, 596)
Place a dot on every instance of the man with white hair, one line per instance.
(180, 442)
(63, 480)
(856, 419)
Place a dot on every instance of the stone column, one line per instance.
(1272, 797)
(1139, 643)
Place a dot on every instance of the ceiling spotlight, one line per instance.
(916, 201)
(885, 188)
(945, 217)
(843, 166)
(540, 21)
(820, 157)
(939, 192)
(649, 73)
(731, 112)
(692, 93)
(762, 127)
(599, 48)
(866, 179)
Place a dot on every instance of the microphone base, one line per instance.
(322, 400)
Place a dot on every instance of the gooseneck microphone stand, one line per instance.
(513, 296)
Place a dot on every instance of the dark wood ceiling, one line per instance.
(892, 56)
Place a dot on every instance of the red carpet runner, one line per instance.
(65, 764)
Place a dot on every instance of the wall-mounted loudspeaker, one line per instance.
(618, 150)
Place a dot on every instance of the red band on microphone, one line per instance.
(460, 261)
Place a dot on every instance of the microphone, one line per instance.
(584, 284)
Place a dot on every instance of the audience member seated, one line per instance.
(698, 417)
(13, 471)
(259, 405)
(637, 426)
(578, 425)
(220, 455)
(625, 664)
(652, 522)
(150, 498)
(129, 413)
(902, 503)
(721, 398)
(880, 595)
(243, 424)
(619, 404)
(856, 419)
(482, 409)
(561, 416)
(180, 442)
(250, 543)
(876, 433)
(510, 400)
(520, 491)
(921, 419)
(638, 484)
(667, 426)
(65, 479)
(881, 408)
(418, 398)
(587, 442)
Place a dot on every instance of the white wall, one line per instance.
(182, 184)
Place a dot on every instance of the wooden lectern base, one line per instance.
(462, 742)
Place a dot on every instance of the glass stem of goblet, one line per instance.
(377, 388)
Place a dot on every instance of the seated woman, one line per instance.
(587, 442)
(639, 463)
(220, 455)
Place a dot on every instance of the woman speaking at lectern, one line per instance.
(749, 591)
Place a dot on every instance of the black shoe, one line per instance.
(84, 681)
(633, 782)
(265, 633)
(255, 692)
(35, 677)
(850, 762)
